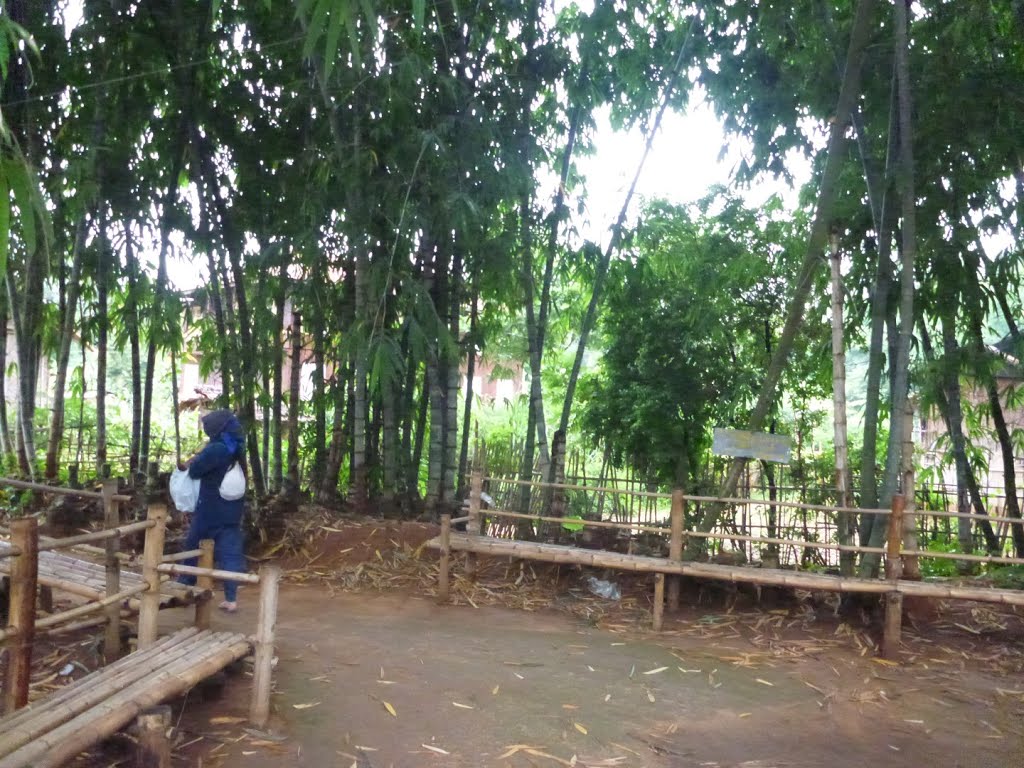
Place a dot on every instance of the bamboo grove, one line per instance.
(386, 192)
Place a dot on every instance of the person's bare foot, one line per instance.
(229, 607)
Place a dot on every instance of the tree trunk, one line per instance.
(64, 352)
(421, 432)
(908, 257)
(103, 253)
(451, 415)
(467, 412)
(848, 94)
(156, 317)
(226, 364)
(132, 321)
(319, 403)
(277, 473)
(295, 383)
(844, 523)
(339, 446)
(5, 432)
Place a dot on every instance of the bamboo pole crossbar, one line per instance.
(10, 551)
(969, 516)
(557, 553)
(785, 542)
(924, 553)
(705, 499)
(85, 538)
(463, 519)
(85, 610)
(177, 557)
(213, 573)
(25, 485)
(577, 521)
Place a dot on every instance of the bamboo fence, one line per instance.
(500, 542)
(55, 729)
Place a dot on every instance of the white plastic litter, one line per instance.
(603, 588)
(184, 491)
(232, 487)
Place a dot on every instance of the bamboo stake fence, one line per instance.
(486, 534)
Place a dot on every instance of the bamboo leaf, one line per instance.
(316, 27)
(419, 11)
(334, 26)
(20, 183)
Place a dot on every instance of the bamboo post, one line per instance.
(204, 605)
(475, 525)
(112, 519)
(911, 566)
(153, 552)
(263, 656)
(153, 748)
(21, 614)
(675, 545)
(893, 570)
(442, 577)
(659, 600)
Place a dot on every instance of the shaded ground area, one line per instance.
(394, 680)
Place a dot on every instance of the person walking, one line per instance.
(215, 517)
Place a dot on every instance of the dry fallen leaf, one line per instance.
(765, 682)
(306, 706)
(655, 671)
(580, 728)
(390, 709)
(494, 691)
(226, 720)
(438, 750)
(462, 706)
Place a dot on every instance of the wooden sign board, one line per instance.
(752, 445)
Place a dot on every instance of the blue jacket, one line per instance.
(226, 446)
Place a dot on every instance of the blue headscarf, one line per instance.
(222, 425)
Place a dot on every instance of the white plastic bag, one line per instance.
(184, 491)
(232, 487)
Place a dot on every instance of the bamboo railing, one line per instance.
(893, 586)
(18, 636)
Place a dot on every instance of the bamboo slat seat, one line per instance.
(87, 578)
(52, 730)
(558, 553)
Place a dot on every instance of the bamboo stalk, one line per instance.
(111, 533)
(149, 606)
(266, 622)
(21, 614)
(175, 569)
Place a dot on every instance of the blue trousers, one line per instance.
(228, 551)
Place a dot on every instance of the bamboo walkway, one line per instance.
(88, 579)
(52, 731)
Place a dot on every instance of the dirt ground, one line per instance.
(372, 673)
(395, 680)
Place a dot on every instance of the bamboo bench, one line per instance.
(53, 729)
(892, 587)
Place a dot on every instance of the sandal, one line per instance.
(228, 607)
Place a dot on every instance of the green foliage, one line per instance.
(939, 567)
